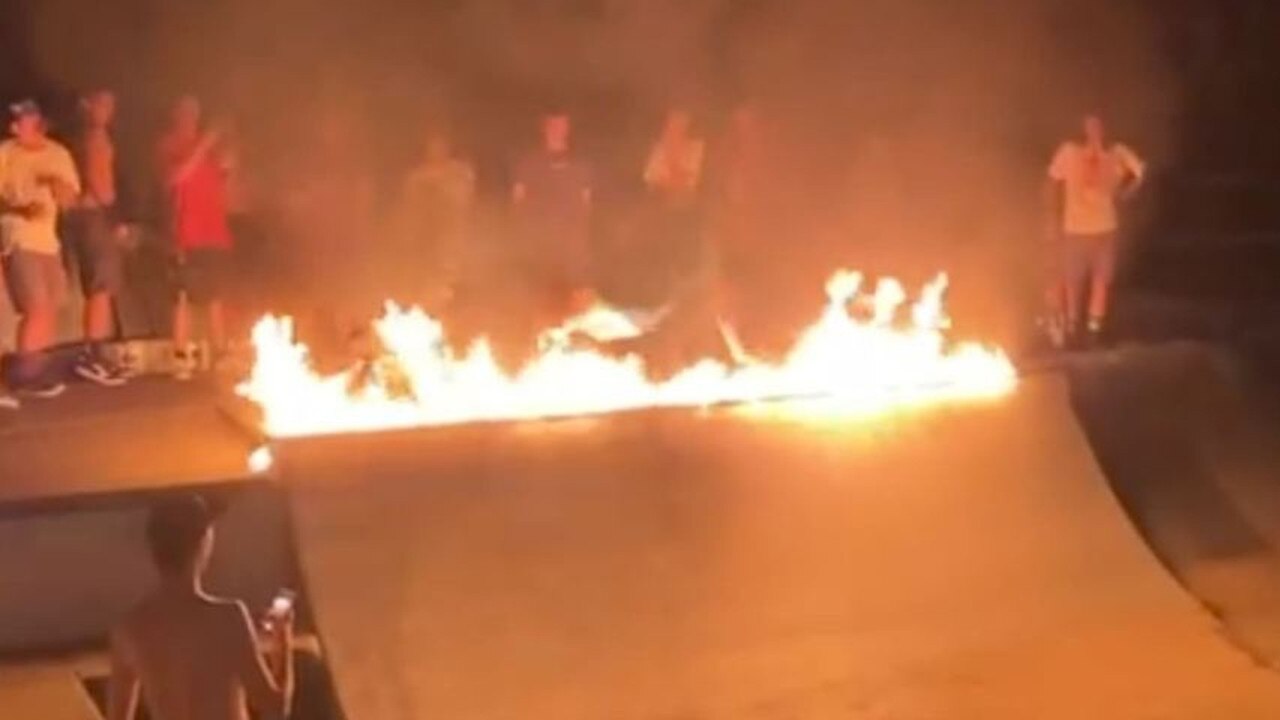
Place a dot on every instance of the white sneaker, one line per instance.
(43, 390)
(1055, 330)
(96, 371)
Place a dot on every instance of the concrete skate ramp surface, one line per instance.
(959, 563)
(1189, 438)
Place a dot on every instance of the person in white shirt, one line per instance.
(38, 179)
(1086, 178)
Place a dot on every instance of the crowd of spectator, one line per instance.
(341, 240)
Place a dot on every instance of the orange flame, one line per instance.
(858, 365)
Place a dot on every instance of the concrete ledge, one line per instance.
(71, 574)
(45, 694)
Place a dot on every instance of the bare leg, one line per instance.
(218, 325)
(1099, 298)
(1101, 276)
(1071, 303)
(99, 317)
(182, 323)
(36, 330)
(1054, 302)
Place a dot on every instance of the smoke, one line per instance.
(914, 134)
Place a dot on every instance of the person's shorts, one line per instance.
(34, 280)
(1089, 257)
(93, 253)
(206, 274)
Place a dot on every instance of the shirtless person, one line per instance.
(194, 656)
(673, 177)
(95, 246)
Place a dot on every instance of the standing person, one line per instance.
(332, 247)
(673, 177)
(435, 211)
(552, 196)
(188, 654)
(94, 246)
(674, 167)
(37, 178)
(740, 200)
(244, 218)
(1085, 179)
(194, 171)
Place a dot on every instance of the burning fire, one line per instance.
(874, 360)
(261, 460)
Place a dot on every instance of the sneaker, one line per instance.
(95, 370)
(1097, 334)
(1054, 330)
(43, 390)
(9, 402)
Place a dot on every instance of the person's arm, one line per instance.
(655, 168)
(468, 196)
(62, 179)
(269, 688)
(28, 211)
(1135, 170)
(123, 687)
(179, 171)
(1053, 192)
(697, 157)
(588, 183)
(92, 158)
(520, 173)
(8, 206)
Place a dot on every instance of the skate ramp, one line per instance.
(957, 563)
(1189, 437)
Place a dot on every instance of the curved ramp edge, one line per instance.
(1189, 437)
(966, 562)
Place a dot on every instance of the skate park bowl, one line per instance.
(967, 561)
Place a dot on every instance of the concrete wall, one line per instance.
(67, 574)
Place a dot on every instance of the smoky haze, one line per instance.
(909, 137)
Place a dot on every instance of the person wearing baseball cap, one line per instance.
(38, 179)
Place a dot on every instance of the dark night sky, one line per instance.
(1211, 59)
(1207, 64)
(1191, 82)
(972, 95)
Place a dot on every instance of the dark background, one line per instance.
(969, 96)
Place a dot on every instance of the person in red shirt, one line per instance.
(194, 168)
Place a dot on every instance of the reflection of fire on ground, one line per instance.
(869, 351)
